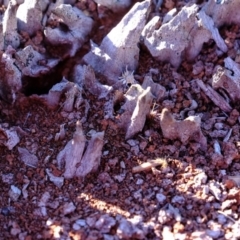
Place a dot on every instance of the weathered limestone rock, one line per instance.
(214, 96)
(91, 159)
(10, 75)
(119, 49)
(186, 130)
(29, 62)
(228, 78)
(157, 90)
(8, 137)
(136, 108)
(219, 11)
(71, 155)
(28, 158)
(29, 16)
(181, 37)
(10, 34)
(115, 5)
(76, 24)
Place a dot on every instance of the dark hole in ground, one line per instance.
(40, 85)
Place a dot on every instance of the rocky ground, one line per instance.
(146, 187)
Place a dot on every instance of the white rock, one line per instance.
(105, 223)
(214, 188)
(92, 156)
(14, 193)
(228, 78)
(160, 197)
(78, 27)
(115, 6)
(28, 158)
(29, 16)
(119, 49)
(72, 153)
(58, 181)
(11, 80)
(181, 37)
(68, 208)
(178, 199)
(135, 110)
(8, 138)
(219, 11)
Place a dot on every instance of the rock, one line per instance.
(8, 138)
(68, 207)
(14, 193)
(186, 130)
(160, 198)
(92, 85)
(71, 155)
(77, 27)
(29, 16)
(32, 63)
(135, 110)
(125, 229)
(115, 6)
(92, 156)
(73, 96)
(181, 37)
(157, 90)
(11, 82)
(118, 51)
(28, 158)
(9, 27)
(219, 11)
(214, 188)
(58, 181)
(214, 96)
(105, 223)
(228, 78)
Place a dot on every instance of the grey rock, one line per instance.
(119, 49)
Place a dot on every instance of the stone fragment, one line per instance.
(58, 181)
(214, 188)
(157, 90)
(125, 229)
(73, 96)
(160, 198)
(68, 207)
(214, 96)
(105, 223)
(29, 159)
(186, 130)
(9, 27)
(115, 6)
(8, 138)
(29, 16)
(219, 11)
(181, 37)
(11, 77)
(14, 193)
(228, 78)
(71, 155)
(119, 49)
(32, 63)
(43, 202)
(61, 134)
(92, 156)
(72, 31)
(92, 85)
(135, 110)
